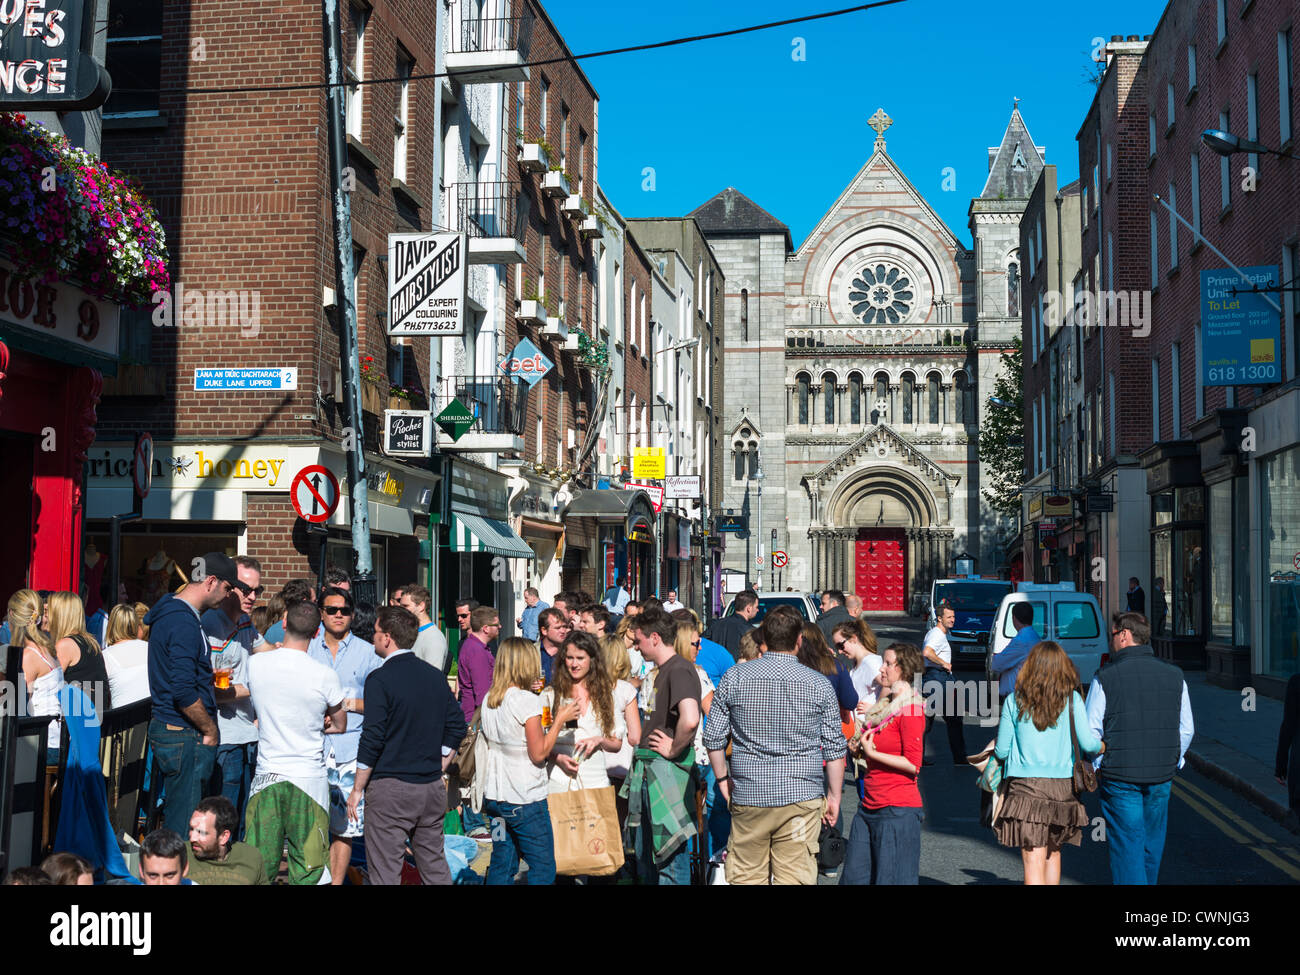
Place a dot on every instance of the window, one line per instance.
(1039, 624)
(1013, 290)
(520, 88)
(744, 314)
(1032, 262)
(738, 451)
(1039, 231)
(1252, 119)
(933, 396)
(1075, 619)
(754, 465)
(1110, 261)
(1279, 588)
(802, 384)
(1176, 397)
(1191, 68)
(1155, 400)
(582, 160)
(401, 118)
(1155, 252)
(564, 135)
(881, 405)
(1169, 106)
(355, 71)
(1284, 92)
(1225, 166)
(909, 393)
(1151, 135)
(1109, 157)
(545, 106)
(961, 402)
(1196, 197)
(1221, 20)
(1177, 548)
(133, 56)
(855, 398)
(828, 398)
(1110, 415)
(1173, 227)
(1036, 440)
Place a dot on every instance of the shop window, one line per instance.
(1178, 557)
(1221, 549)
(133, 57)
(1279, 514)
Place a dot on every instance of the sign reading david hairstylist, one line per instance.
(426, 284)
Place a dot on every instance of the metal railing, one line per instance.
(489, 210)
(495, 33)
(498, 405)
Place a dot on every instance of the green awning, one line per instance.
(474, 533)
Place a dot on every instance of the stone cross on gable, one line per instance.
(880, 121)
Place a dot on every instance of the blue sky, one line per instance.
(790, 134)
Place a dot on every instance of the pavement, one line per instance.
(1236, 742)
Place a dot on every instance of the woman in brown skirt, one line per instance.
(1041, 812)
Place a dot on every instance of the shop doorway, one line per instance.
(880, 569)
(17, 460)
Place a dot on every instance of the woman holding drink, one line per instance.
(598, 728)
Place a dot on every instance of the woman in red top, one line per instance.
(884, 845)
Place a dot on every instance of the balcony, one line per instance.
(489, 214)
(486, 50)
(533, 158)
(498, 407)
(555, 185)
(590, 229)
(573, 207)
(531, 312)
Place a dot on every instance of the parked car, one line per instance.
(805, 603)
(974, 602)
(1061, 613)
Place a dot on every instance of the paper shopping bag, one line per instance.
(587, 838)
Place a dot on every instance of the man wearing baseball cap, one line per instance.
(183, 729)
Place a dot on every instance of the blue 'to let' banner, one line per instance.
(1241, 334)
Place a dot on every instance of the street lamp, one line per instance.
(998, 401)
(1226, 144)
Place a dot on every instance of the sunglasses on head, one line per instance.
(337, 611)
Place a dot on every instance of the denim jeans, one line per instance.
(520, 830)
(884, 847)
(469, 819)
(185, 770)
(717, 815)
(951, 722)
(677, 870)
(1136, 818)
(232, 776)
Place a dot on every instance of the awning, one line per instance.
(632, 508)
(474, 533)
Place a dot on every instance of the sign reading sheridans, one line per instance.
(46, 60)
(426, 284)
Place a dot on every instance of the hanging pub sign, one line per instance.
(46, 61)
(408, 433)
(426, 284)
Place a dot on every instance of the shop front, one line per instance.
(625, 536)
(234, 498)
(1176, 604)
(1278, 649)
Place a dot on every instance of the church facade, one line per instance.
(857, 370)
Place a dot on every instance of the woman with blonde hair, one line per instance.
(41, 668)
(620, 669)
(856, 640)
(141, 611)
(78, 652)
(636, 663)
(514, 767)
(126, 657)
(1043, 726)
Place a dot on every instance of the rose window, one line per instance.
(881, 294)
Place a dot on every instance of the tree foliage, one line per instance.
(1002, 435)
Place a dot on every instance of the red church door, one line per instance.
(880, 575)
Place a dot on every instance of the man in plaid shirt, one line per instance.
(784, 722)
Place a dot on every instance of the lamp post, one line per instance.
(1227, 144)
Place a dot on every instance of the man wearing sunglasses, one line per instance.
(231, 638)
(352, 659)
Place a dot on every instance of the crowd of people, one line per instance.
(282, 733)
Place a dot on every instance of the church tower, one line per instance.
(1014, 168)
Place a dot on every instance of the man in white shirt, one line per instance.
(298, 702)
(938, 675)
(671, 605)
(616, 598)
(430, 644)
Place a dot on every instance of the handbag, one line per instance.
(1084, 778)
(584, 824)
(830, 848)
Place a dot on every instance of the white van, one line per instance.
(1061, 613)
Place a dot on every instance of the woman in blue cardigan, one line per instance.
(1041, 812)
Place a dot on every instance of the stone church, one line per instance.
(857, 369)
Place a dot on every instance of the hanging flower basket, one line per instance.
(68, 217)
(593, 355)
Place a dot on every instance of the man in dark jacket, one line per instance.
(183, 728)
(833, 613)
(1139, 707)
(1137, 599)
(413, 727)
(728, 630)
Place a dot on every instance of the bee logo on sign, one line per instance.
(426, 284)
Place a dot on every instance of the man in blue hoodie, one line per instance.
(183, 729)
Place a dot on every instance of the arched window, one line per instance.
(753, 460)
(744, 314)
(738, 450)
(933, 391)
(959, 397)
(909, 393)
(1013, 290)
(879, 415)
(803, 382)
(855, 398)
(828, 397)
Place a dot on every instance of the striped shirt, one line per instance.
(784, 721)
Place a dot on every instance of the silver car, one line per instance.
(803, 602)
